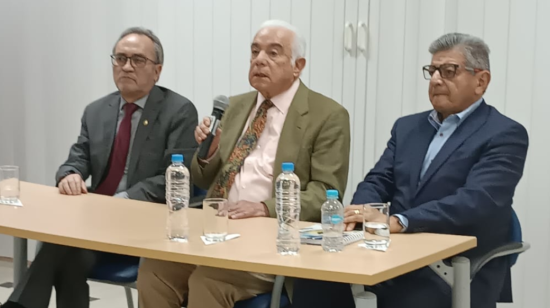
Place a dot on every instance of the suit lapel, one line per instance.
(150, 113)
(461, 134)
(293, 131)
(419, 147)
(108, 124)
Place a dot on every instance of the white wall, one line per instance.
(55, 60)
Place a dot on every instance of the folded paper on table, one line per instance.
(16, 202)
(313, 235)
(227, 238)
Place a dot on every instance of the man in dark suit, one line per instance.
(125, 144)
(452, 170)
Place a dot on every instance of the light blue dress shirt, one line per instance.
(444, 131)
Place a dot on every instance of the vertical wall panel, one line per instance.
(412, 72)
(167, 34)
(241, 36)
(301, 18)
(184, 51)
(451, 16)
(362, 116)
(348, 81)
(519, 96)
(390, 64)
(221, 48)
(533, 272)
(337, 61)
(320, 61)
(431, 26)
(372, 94)
(131, 14)
(471, 17)
(258, 14)
(102, 38)
(149, 14)
(281, 9)
(538, 268)
(203, 55)
(496, 32)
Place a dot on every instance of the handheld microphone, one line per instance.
(220, 104)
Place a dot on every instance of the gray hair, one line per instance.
(299, 44)
(474, 49)
(159, 52)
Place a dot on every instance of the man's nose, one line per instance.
(128, 65)
(261, 58)
(436, 78)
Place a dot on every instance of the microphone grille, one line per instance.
(221, 102)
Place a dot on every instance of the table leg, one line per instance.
(363, 299)
(19, 259)
(461, 282)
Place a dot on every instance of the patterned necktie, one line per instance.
(119, 153)
(242, 150)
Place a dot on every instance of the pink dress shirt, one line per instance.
(254, 182)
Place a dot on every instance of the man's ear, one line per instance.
(158, 70)
(299, 66)
(483, 82)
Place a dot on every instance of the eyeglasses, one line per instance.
(135, 60)
(446, 71)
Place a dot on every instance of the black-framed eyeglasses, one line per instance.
(446, 71)
(136, 61)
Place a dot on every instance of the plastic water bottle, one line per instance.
(177, 199)
(332, 218)
(287, 191)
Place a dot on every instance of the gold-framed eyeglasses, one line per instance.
(136, 61)
(446, 71)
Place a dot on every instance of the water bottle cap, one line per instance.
(288, 167)
(177, 158)
(332, 194)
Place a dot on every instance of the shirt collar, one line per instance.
(283, 100)
(140, 102)
(461, 116)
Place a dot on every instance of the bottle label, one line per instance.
(336, 219)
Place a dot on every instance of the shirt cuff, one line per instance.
(122, 194)
(403, 221)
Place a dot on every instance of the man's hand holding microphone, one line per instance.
(208, 145)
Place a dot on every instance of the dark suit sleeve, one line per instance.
(79, 155)
(488, 190)
(378, 185)
(181, 140)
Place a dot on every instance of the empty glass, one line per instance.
(215, 219)
(376, 226)
(9, 184)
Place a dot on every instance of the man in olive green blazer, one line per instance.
(283, 121)
(315, 137)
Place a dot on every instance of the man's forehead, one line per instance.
(448, 56)
(135, 41)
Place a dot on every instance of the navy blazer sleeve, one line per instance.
(489, 187)
(378, 185)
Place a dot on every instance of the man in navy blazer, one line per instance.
(451, 170)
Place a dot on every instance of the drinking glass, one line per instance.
(215, 219)
(9, 184)
(376, 226)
